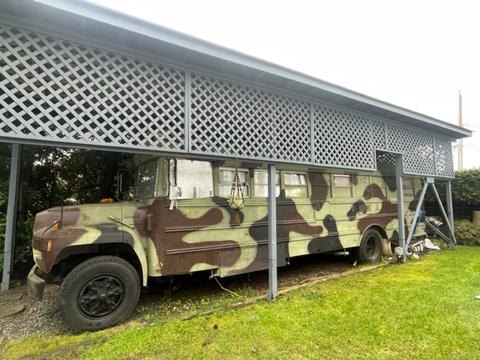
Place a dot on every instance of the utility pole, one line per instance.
(460, 141)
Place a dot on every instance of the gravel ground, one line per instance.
(43, 317)
(39, 317)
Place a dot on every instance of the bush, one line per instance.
(466, 187)
(467, 233)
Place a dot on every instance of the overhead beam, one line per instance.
(272, 234)
(13, 191)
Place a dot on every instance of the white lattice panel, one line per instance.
(443, 156)
(416, 148)
(231, 119)
(58, 90)
(292, 127)
(378, 133)
(342, 139)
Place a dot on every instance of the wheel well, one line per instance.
(71, 256)
(387, 245)
(380, 229)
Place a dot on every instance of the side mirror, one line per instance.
(175, 192)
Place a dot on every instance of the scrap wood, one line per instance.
(11, 297)
(11, 309)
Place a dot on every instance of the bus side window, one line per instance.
(295, 184)
(227, 176)
(193, 178)
(260, 183)
(342, 186)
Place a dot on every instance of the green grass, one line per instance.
(423, 309)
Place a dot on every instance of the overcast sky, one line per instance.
(415, 54)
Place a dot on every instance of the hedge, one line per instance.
(467, 233)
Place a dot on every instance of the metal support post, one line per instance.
(453, 241)
(450, 204)
(11, 221)
(417, 213)
(272, 234)
(400, 205)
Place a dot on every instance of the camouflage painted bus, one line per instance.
(180, 222)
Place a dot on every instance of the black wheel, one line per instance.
(100, 292)
(371, 247)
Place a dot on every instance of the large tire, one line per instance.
(371, 247)
(100, 292)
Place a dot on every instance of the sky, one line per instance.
(414, 54)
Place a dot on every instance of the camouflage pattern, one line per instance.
(201, 234)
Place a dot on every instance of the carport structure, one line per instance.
(77, 75)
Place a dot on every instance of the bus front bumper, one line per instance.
(35, 284)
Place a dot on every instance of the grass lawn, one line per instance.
(423, 309)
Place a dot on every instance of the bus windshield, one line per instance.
(146, 180)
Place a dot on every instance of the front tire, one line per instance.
(100, 292)
(371, 247)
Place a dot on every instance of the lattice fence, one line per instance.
(75, 94)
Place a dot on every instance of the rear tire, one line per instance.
(371, 247)
(98, 293)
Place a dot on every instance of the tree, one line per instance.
(49, 176)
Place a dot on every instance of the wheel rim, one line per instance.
(371, 247)
(101, 296)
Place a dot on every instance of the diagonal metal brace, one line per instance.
(417, 214)
(438, 232)
(452, 241)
